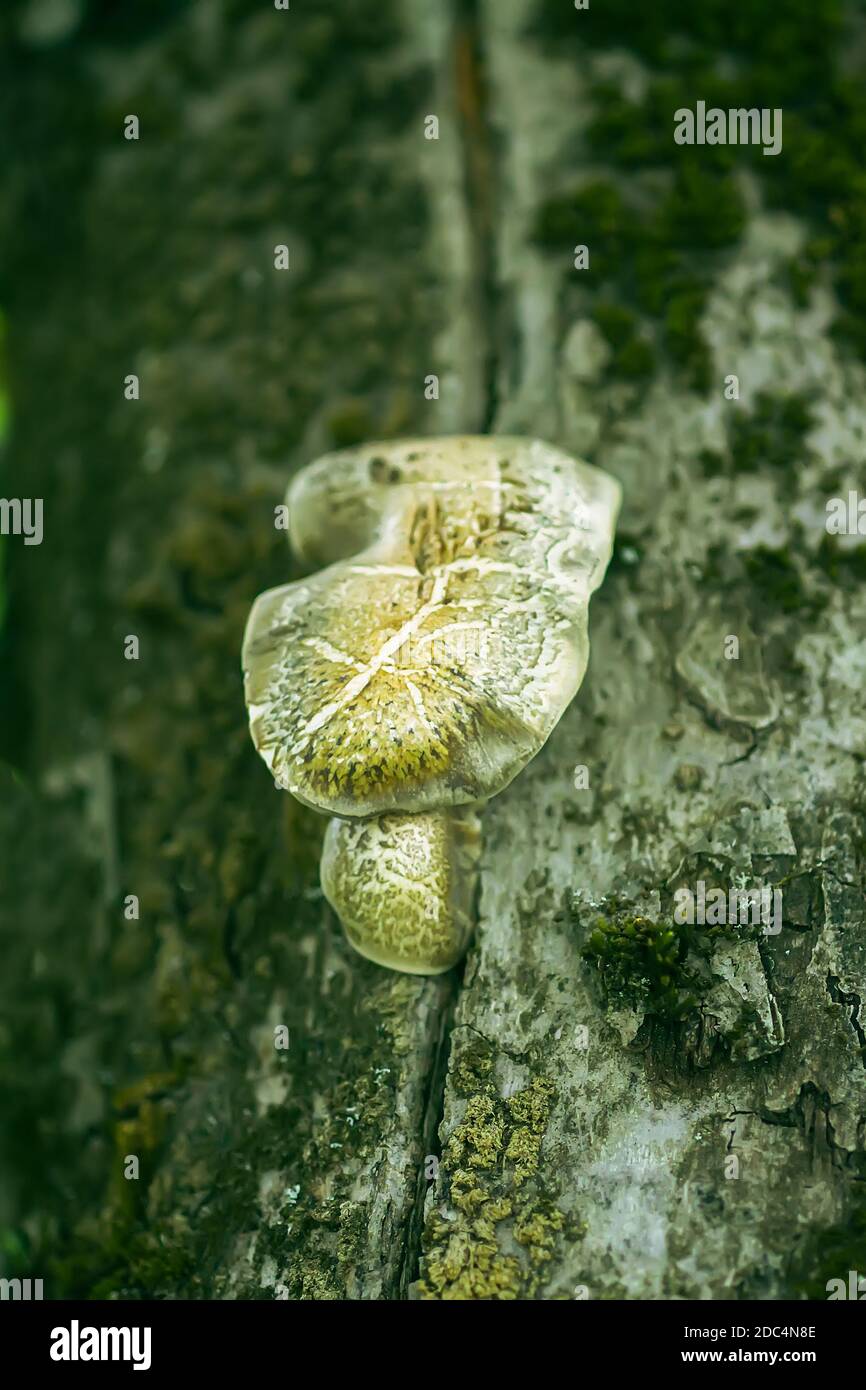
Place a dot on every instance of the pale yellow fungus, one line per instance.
(422, 668)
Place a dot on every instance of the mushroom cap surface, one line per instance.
(432, 657)
(404, 886)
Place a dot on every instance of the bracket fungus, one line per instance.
(419, 669)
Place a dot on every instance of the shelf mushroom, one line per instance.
(415, 674)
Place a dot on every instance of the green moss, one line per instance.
(645, 258)
(702, 212)
(5, 409)
(804, 269)
(596, 216)
(616, 323)
(762, 55)
(711, 462)
(682, 331)
(843, 566)
(4, 426)
(143, 1110)
(772, 434)
(777, 579)
(618, 126)
(831, 1253)
(661, 968)
(632, 355)
(781, 582)
(350, 423)
(790, 49)
(641, 963)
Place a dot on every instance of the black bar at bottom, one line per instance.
(160, 1338)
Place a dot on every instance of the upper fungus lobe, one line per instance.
(433, 656)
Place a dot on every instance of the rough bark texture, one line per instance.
(584, 1127)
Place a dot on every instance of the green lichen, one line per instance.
(472, 1066)
(536, 1228)
(528, 1111)
(466, 1263)
(477, 1141)
(490, 1170)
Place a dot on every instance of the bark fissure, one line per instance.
(480, 188)
(479, 177)
(854, 1003)
(434, 1109)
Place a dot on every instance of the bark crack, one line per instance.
(852, 1002)
(479, 163)
(433, 1112)
(479, 184)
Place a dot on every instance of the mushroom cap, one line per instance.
(428, 667)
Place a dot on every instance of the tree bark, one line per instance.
(518, 1128)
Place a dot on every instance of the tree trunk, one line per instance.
(569, 1115)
